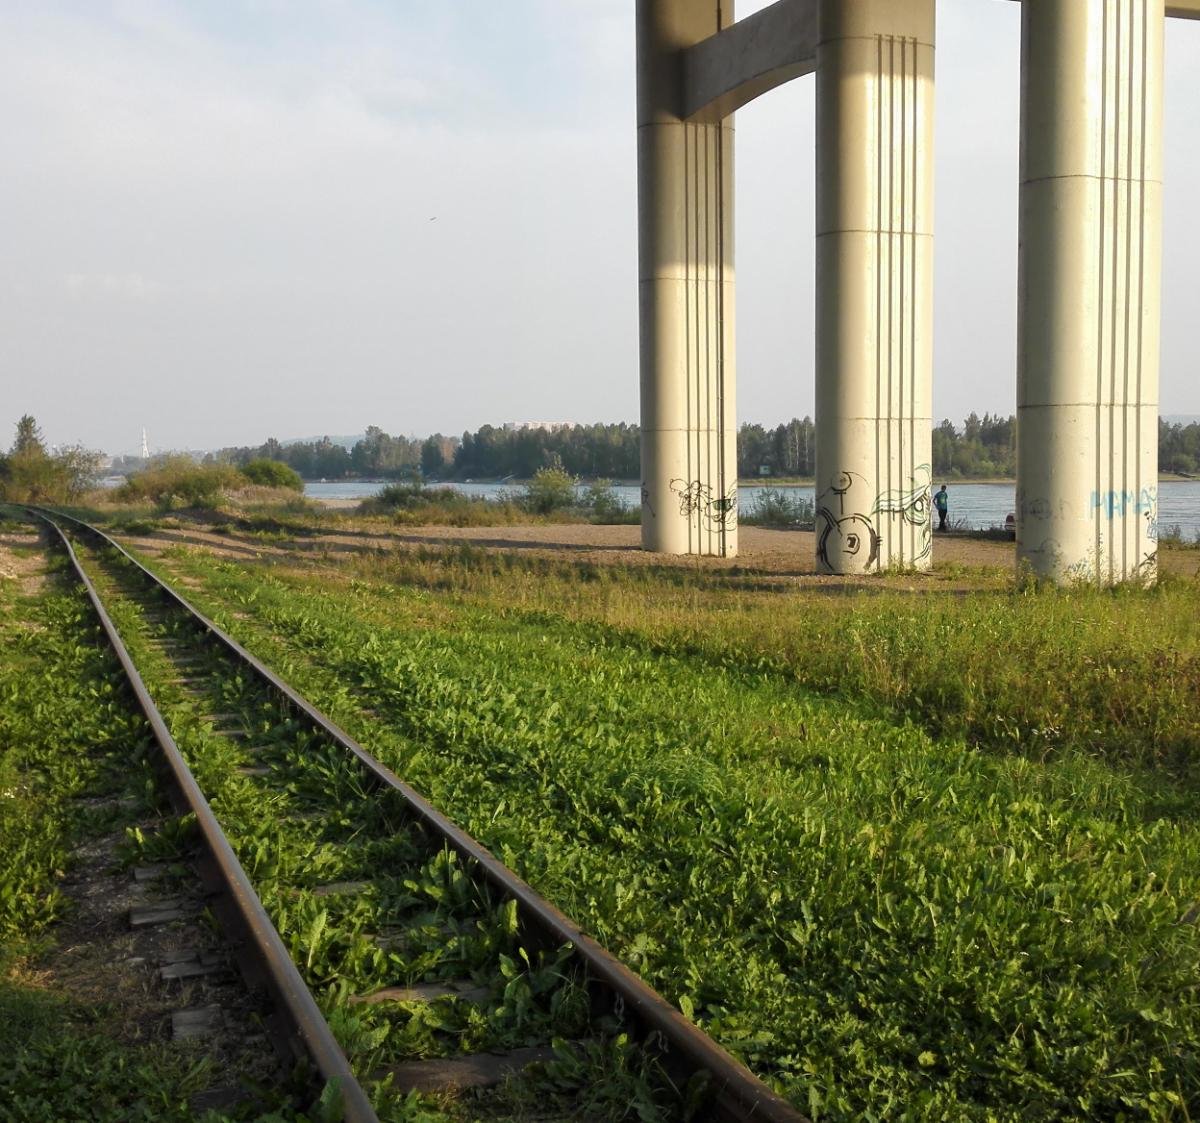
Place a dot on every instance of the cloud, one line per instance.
(130, 286)
(236, 197)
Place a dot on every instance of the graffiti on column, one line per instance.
(914, 505)
(1114, 503)
(1143, 502)
(714, 510)
(646, 504)
(844, 533)
(1051, 550)
(1037, 508)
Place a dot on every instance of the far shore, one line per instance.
(753, 481)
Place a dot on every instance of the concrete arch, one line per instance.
(727, 70)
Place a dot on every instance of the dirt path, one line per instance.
(22, 559)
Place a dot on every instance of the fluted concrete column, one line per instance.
(685, 239)
(1089, 289)
(874, 284)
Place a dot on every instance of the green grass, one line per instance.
(61, 1064)
(910, 857)
(66, 733)
(422, 919)
(1113, 673)
(61, 718)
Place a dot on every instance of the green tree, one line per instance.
(433, 460)
(29, 474)
(272, 473)
(754, 450)
(551, 489)
(78, 468)
(945, 438)
(29, 438)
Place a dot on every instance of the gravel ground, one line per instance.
(21, 560)
(959, 561)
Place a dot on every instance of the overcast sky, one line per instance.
(232, 219)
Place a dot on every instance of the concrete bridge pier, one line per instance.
(875, 76)
(1089, 289)
(685, 273)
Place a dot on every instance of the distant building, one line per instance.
(549, 426)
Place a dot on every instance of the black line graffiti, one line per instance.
(840, 486)
(1051, 550)
(696, 498)
(847, 537)
(914, 506)
(646, 500)
(842, 536)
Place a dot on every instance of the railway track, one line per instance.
(397, 953)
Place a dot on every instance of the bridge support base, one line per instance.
(874, 284)
(685, 239)
(1089, 289)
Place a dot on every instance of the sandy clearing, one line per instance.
(783, 555)
(29, 569)
(780, 552)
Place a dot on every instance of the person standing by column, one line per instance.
(942, 502)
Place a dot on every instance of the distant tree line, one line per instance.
(377, 455)
(981, 447)
(1179, 448)
(595, 451)
(786, 450)
(985, 446)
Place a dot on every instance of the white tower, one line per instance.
(145, 446)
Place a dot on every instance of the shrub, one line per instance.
(34, 476)
(272, 473)
(774, 507)
(1171, 537)
(415, 505)
(604, 503)
(551, 489)
(133, 524)
(401, 497)
(178, 481)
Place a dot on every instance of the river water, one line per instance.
(976, 506)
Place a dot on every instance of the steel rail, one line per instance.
(736, 1093)
(292, 998)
